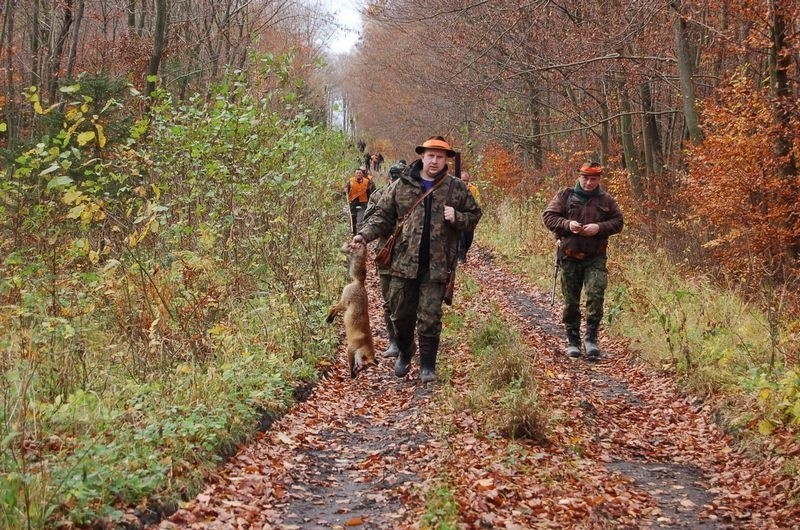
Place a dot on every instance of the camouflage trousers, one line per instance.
(415, 303)
(591, 276)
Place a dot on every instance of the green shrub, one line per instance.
(161, 290)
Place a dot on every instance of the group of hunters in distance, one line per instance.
(423, 223)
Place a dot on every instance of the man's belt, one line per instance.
(574, 254)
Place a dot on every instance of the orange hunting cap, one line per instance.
(435, 142)
(591, 168)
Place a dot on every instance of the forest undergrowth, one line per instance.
(161, 289)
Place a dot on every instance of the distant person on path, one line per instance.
(582, 218)
(367, 160)
(468, 235)
(379, 162)
(384, 273)
(424, 251)
(358, 190)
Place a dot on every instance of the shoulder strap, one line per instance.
(452, 264)
(399, 226)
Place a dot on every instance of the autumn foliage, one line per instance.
(503, 169)
(734, 189)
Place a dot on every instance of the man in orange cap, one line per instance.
(433, 209)
(582, 218)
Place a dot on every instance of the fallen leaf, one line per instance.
(284, 438)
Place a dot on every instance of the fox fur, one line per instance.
(355, 306)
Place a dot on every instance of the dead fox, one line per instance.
(354, 304)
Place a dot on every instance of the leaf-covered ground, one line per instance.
(624, 448)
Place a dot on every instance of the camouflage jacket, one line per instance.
(601, 209)
(371, 205)
(395, 203)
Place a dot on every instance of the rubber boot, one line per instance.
(393, 350)
(573, 343)
(590, 341)
(403, 363)
(428, 348)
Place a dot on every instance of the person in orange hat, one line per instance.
(431, 208)
(582, 218)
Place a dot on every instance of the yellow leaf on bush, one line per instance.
(85, 137)
(101, 136)
(796, 411)
(765, 427)
(72, 196)
(76, 212)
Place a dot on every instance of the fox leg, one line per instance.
(351, 361)
(338, 308)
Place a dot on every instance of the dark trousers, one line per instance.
(357, 215)
(465, 242)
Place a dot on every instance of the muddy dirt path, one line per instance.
(623, 449)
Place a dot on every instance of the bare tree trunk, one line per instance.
(73, 48)
(684, 58)
(605, 134)
(4, 27)
(716, 70)
(35, 44)
(605, 127)
(535, 144)
(140, 27)
(6, 39)
(159, 43)
(628, 144)
(243, 50)
(131, 9)
(651, 138)
(779, 63)
(573, 98)
(54, 63)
